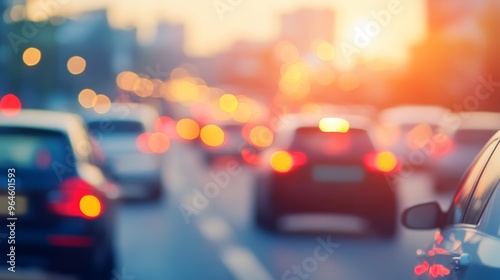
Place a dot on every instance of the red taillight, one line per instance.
(76, 198)
(381, 162)
(284, 161)
(70, 241)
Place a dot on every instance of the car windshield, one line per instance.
(355, 143)
(473, 137)
(115, 127)
(45, 155)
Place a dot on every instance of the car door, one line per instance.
(453, 244)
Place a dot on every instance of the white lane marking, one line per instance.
(215, 229)
(238, 260)
(243, 264)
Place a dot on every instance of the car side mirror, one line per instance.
(423, 216)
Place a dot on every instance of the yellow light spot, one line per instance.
(87, 98)
(228, 103)
(102, 104)
(187, 129)
(325, 51)
(143, 87)
(32, 56)
(334, 125)
(212, 135)
(182, 90)
(126, 80)
(261, 136)
(90, 206)
(76, 65)
(385, 161)
(348, 81)
(281, 161)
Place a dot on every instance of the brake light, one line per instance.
(283, 161)
(76, 198)
(381, 161)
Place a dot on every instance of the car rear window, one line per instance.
(42, 158)
(474, 137)
(115, 126)
(354, 143)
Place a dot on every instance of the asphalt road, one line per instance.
(185, 236)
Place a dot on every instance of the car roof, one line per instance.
(479, 120)
(295, 121)
(125, 112)
(69, 124)
(407, 114)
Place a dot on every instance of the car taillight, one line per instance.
(76, 198)
(284, 161)
(381, 162)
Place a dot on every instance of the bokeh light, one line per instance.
(143, 87)
(126, 80)
(87, 98)
(90, 206)
(31, 56)
(228, 103)
(212, 135)
(102, 104)
(76, 65)
(386, 161)
(142, 143)
(158, 142)
(261, 136)
(188, 129)
(334, 125)
(281, 161)
(10, 105)
(325, 51)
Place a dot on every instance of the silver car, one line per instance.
(467, 243)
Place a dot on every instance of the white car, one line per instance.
(474, 130)
(118, 133)
(417, 134)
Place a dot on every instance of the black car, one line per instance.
(58, 204)
(326, 165)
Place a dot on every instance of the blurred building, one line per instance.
(306, 26)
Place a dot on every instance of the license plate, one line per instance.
(19, 208)
(339, 174)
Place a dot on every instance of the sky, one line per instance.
(212, 26)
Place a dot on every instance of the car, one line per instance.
(466, 244)
(62, 204)
(122, 135)
(326, 165)
(417, 134)
(232, 146)
(473, 131)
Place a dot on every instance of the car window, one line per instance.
(42, 155)
(355, 143)
(490, 221)
(475, 137)
(484, 188)
(115, 127)
(463, 194)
